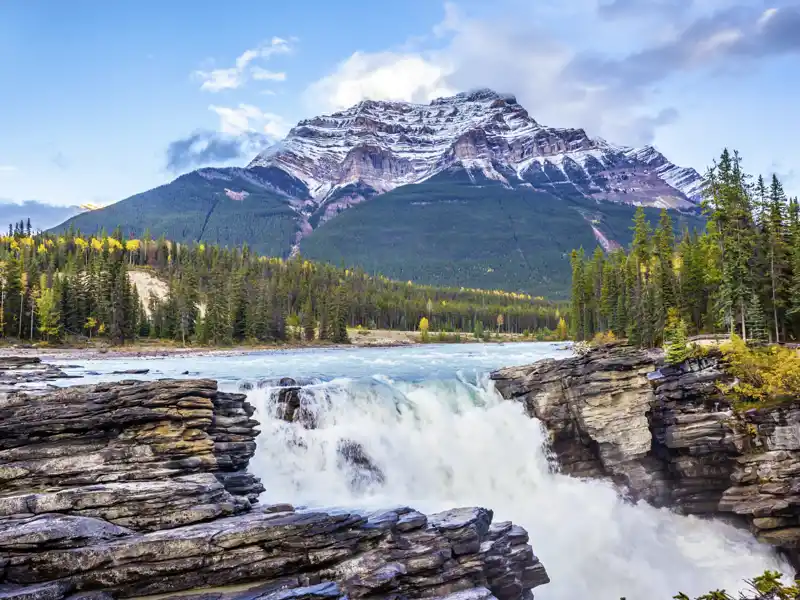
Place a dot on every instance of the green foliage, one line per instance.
(740, 275)
(675, 340)
(196, 208)
(309, 322)
(448, 231)
(59, 288)
(767, 586)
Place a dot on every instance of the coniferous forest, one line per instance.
(740, 276)
(62, 287)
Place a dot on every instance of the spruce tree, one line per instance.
(579, 308)
(324, 318)
(756, 324)
(309, 322)
(339, 324)
(675, 339)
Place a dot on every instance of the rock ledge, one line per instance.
(137, 488)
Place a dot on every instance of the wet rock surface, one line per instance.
(596, 408)
(19, 371)
(667, 435)
(133, 488)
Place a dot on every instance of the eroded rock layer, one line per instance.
(137, 488)
(668, 435)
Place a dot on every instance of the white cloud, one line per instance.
(7, 169)
(384, 76)
(247, 118)
(236, 76)
(261, 74)
(607, 82)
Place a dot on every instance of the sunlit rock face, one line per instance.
(384, 145)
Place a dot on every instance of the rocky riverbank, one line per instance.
(667, 435)
(138, 488)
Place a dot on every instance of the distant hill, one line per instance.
(467, 191)
(43, 216)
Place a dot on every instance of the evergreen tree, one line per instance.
(339, 323)
(675, 338)
(579, 306)
(756, 324)
(309, 322)
(13, 296)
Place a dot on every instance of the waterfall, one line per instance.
(438, 444)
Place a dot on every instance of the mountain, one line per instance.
(467, 190)
(41, 214)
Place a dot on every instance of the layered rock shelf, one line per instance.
(667, 435)
(135, 488)
(18, 371)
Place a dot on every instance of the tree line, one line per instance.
(59, 287)
(741, 275)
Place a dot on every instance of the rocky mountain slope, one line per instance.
(480, 147)
(385, 145)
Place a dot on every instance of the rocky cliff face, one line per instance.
(384, 145)
(668, 436)
(137, 488)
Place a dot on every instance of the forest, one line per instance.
(64, 287)
(740, 276)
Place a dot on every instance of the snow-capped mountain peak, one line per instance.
(381, 145)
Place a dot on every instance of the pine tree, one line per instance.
(339, 323)
(579, 315)
(756, 324)
(239, 307)
(309, 322)
(675, 339)
(774, 224)
(324, 319)
(13, 295)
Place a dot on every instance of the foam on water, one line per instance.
(442, 438)
(446, 443)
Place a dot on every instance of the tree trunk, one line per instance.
(774, 302)
(744, 327)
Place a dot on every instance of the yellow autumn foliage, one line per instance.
(602, 338)
(762, 373)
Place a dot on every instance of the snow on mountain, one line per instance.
(383, 145)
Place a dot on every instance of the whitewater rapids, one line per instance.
(441, 437)
(445, 443)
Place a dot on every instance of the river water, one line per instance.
(438, 436)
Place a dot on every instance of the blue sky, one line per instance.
(101, 100)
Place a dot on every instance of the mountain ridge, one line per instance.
(381, 158)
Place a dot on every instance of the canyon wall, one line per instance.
(667, 435)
